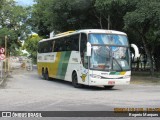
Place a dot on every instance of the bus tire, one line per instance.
(46, 75)
(75, 80)
(108, 87)
(43, 74)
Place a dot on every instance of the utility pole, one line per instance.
(8, 62)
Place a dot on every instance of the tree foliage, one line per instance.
(66, 15)
(145, 21)
(31, 45)
(13, 24)
(61, 15)
(139, 18)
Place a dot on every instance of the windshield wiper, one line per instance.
(118, 63)
(110, 51)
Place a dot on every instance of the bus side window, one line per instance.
(62, 44)
(53, 45)
(68, 43)
(75, 42)
(50, 46)
(44, 47)
(56, 46)
(83, 49)
(39, 48)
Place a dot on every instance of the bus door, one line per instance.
(84, 71)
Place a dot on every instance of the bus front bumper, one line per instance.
(108, 82)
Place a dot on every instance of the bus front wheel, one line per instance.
(75, 81)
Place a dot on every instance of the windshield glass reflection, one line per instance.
(108, 39)
(109, 58)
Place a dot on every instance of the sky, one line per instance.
(25, 2)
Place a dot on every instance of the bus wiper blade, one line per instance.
(118, 63)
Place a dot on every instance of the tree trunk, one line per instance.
(157, 63)
(157, 59)
(149, 56)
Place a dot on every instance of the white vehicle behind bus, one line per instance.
(92, 57)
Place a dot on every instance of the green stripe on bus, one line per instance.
(60, 65)
(117, 73)
(63, 64)
(112, 73)
(55, 64)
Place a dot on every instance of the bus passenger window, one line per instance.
(75, 42)
(53, 44)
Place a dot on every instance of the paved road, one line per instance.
(25, 91)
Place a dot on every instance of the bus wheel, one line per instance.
(46, 75)
(75, 81)
(108, 87)
(43, 74)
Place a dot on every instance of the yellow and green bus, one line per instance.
(92, 57)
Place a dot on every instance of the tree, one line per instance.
(67, 15)
(13, 23)
(62, 16)
(31, 45)
(139, 18)
(110, 13)
(12, 39)
(145, 21)
(39, 17)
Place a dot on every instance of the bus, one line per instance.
(92, 57)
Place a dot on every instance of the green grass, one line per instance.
(145, 74)
(143, 77)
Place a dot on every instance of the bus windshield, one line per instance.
(109, 52)
(111, 39)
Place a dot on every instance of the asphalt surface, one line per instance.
(26, 91)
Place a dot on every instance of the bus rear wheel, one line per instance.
(46, 75)
(75, 81)
(43, 74)
(108, 87)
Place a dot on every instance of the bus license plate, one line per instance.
(111, 82)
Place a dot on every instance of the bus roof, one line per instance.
(101, 31)
(84, 31)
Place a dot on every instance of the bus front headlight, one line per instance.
(95, 76)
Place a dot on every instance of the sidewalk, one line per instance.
(2, 72)
(16, 67)
(2, 78)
